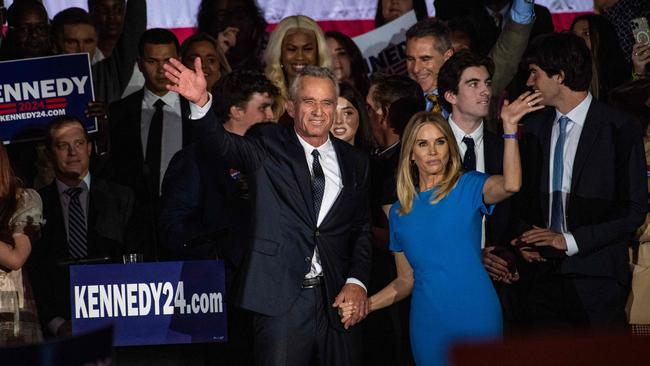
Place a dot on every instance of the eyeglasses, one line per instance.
(36, 29)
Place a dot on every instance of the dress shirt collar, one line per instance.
(476, 135)
(170, 99)
(323, 149)
(85, 184)
(577, 115)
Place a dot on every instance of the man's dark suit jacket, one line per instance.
(127, 166)
(608, 197)
(109, 211)
(204, 214)
(284, 223)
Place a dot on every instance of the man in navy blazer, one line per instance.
(310, 242)
(584, 192)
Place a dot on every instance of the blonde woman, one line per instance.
(296, 42)
(435, 232)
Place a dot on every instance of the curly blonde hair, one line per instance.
(273, 54)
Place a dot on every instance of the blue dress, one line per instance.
(453, 298)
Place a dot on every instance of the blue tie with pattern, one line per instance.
(557, 209)
(76, 225)
(317, 182)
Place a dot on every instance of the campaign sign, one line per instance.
(151, 303)
(35, 90)
(384, 49)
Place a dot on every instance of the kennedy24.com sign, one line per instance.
(34, 91)
(151, 303)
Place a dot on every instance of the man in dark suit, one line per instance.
(310, 248)
(584, 192)
(86, 220)
(146, 129)
(465, 82)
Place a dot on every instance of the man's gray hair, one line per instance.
(313, 71)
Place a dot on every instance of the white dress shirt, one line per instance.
(172, 127)
(577, 117)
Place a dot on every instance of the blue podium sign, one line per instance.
(151, 303)
(35, 90)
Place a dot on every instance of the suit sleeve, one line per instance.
(507, 52)
(631, 195)
(361, 241)
(241, 152)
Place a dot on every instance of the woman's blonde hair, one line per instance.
(273, 54)
(408, 174)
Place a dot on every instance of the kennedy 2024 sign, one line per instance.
(34, 91)
(151, 303)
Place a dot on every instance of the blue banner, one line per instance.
(151, 303)
(35, 90)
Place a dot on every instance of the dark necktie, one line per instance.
(77, 234)
(557, 209)
(317, 182)
(152, 156)
(469, 159)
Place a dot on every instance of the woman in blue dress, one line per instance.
(435, 232)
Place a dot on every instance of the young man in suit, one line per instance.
(86, 219)
(584, 192)
(465, 82)
(428, 46)
(146, 129)
(310, 247)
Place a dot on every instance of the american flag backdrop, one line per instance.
(353, 17)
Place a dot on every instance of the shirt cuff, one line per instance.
(197, 112)
(523, 11)
(356, 282)
(571, 245)
(55, 324)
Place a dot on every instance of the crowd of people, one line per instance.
(495, 189)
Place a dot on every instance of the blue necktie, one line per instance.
(317, 183)
(469, 159)
(557, 209)
(76, 225)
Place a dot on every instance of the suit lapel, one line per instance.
(587, 139)
(346, 176)
(186, 122)
(300, 169)
(546, 130)
(54, 216)
(134, 128)
(493, 153)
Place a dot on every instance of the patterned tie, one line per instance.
(317, 182)
(557, 209)
(152, 156)
(469, 159)
(76, 225)
(432, 103)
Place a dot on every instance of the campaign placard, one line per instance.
(384, 49)
(151, 303)
(35, 90)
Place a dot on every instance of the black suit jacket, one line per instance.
(608, 197)
(284, 224)
(498, 226)
(127, 165)
(109, 236)
(205, 212)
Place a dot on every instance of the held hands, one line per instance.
(352, 304)
(497, 267)
(191, 85)
(512, 112)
